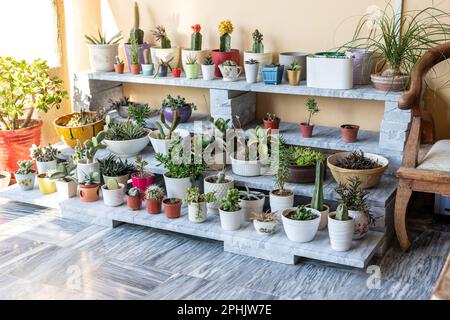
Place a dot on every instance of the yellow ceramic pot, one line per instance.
(294, 77)
(46, 185)
(70, 135)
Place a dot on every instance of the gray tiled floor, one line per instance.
(45, 257)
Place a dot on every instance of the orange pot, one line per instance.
(15, 145)
(153, 206)
(89, 192)
(172, 211)
(134, 203)
(119, 68)
(70, 135)
(135, 68)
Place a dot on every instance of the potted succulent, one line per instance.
(147, 67)
(250, 202)
(230, 70)
(25, 175)
(163, 66)
(178, 105)
(89, 187)
(251, 67)
(197, 204)
(265, 223)
(113, 193)
(5, 179)
(257, 53)
(163, 138)
(286, 59)
(317, 198)
(38, 91)
(138, 34)
(349, 132)
(368, 167)
(355, 200)
(336, 65)
(154, 196)
(302, 165)
(172, 207)
(115, 168)
(219, 184)
(134, 198)
(272, 73)
(164, 51)
(141, 179)
(230, 211)
(135, 66)
(84, 156)
(271, 121)
(340, 229)
(208, 68)
(195, 52)
(103, 51)
(301, 224)
(45, 157)
(225, 52)
(307, 127)
(65, 180)
(119, 66)
(139, 113)
(78, 127)
(280, 198)
(191, 67)
(46, 185)
(123, 104)
(294, 72)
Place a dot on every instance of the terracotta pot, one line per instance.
(172, 211)
(153, 206)
(397, 83)
(306, 129)
(176, 72)
(302, 174)
(134, 203)
(119, 68)
(89, 193)
(70, 135)
(275, 124)
(135, 68)
(220, 57)
(15, 145)
(349, 132)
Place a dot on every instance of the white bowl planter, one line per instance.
(197, 212)
(230, 221)
(245, 168)
(286, 58)
(84, 169)
(251, 72)
(113, 198)
(361, 222)
(43, 167)
(158, 53)
(265, 228)
(263, 59)
(199, 54)
(127, 148)
(208, 71)
(176, 187)
(341, 233)
(162, 145)
(301, 231)
(102, 57)
(251, 206)
(280, 203)
(323, 216)
(329, 73)
(220, 189)
(66, 190)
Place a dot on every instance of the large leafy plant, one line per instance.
(24, 88)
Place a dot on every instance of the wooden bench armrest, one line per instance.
(435, 176)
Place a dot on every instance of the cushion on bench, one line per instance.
(438, 158)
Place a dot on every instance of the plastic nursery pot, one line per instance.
(135, 68)
(268, 124)
(89, 192)
(176, 72)
(184, 113)
(153, 206)
(172, 208)
(306, 129)
(349, 132)
(134, 202)
(119, 68)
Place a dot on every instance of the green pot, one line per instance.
(191, 70)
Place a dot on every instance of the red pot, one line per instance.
(349, 132)
(176, 72)
(153, 206)
(275, 124)
(119, 68)
(15, 145)
(306, 129)
(134, 203)
(220, 57)
(172, 211)
(135, 68)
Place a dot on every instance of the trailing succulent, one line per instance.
(112, 166)
(230, 203)
(193, 196)
(305, 156)
(357, 161)
(25, 167)
(301, 214)
(43, 154)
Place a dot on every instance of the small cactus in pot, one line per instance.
(196, 38)
(258, 46)
(137, 33)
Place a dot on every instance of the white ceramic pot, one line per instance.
(323, 216)
(163, 146)
(5, 178)
(244, 168)
(251, 72)
(127, 148)
(43, 167)
(113, 198)
(208, 71)
(102, 57)
(197, 212)
(341, 233)
(286, 58)
(84, 169)
(122, 179)
(251, 206)
(25, 181)
(265, 228)
(230, 221)
(301, 231)
(329, 73)
(230, 73)
(66, 190)
(220, 189)
(265, 58)
(361, 223)
(176, 188)
(199, 54)
(280, 203)
(165, 54)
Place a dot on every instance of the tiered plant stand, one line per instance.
(228, 99)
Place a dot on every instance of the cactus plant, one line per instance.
(146, 54)
(134, 192)
(134, 52)
(137, 33)
(342, 213)
(258, 46)
(225, 29)
(90, 147)
(317, 199)
(160, 35)
(196, 38)
(163, 135)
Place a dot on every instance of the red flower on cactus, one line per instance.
(196, 28)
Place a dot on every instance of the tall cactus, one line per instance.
(225, 43)
(342, 213)
(137, 33)
(258, 46)
(196, 38)
(317, 199)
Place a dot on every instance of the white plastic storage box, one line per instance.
(329, 70)
(442, 205)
